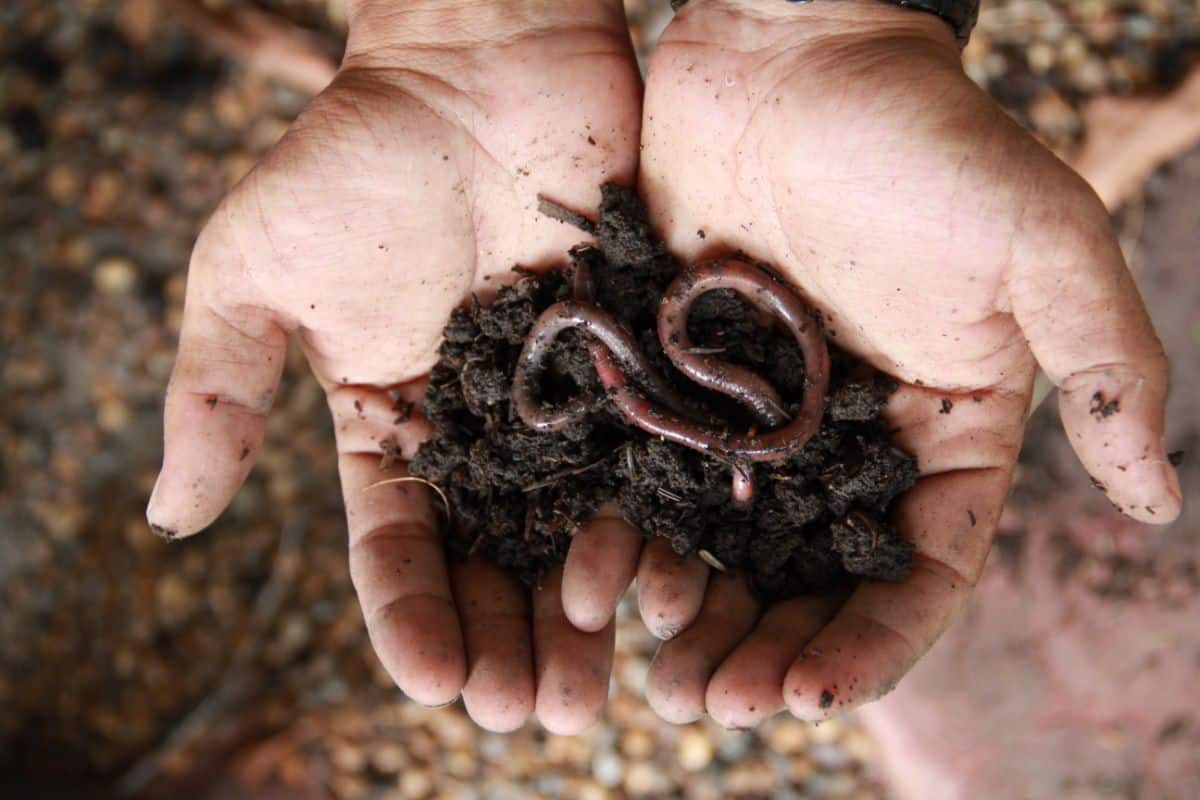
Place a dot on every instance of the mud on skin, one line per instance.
(817, 521)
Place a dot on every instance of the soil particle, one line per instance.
(1175, 458)
(817, 521)
(1103, 409)
(168, 534)
(947, 406)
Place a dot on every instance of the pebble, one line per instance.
(694, 749)
(830, 757)
(25, 373)
(416, 784)
(644, 779)
(831, 785)
(347, 757)
(63, 183)
(787, 735)
(607, 769)
(754, 777)
(735, 745)
(638, 744)
(588, 790)
(102, 194)
(461, 764)
(827, 731)
(1041, 56)
(175, 600)
(115, 275)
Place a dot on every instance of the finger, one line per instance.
(949, 431)
(670, 589)
(599, 567)
(398, 568)
(496, 624)
(1081, 312)
(368, 419)
(679, 674)
(231, 355)
(748, 686)
(965, 446)
(883, 628)
(572, 666)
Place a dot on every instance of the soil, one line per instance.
(818, 521)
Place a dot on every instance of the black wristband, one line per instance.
(958, 14)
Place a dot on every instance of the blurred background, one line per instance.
(235, 664)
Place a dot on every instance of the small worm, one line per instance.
(739, 383)
(616, 339)
(656, 408)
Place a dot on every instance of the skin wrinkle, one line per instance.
(1088, 376)
(380, 614)
(471, 18)
(1002, 446)
(406, 531)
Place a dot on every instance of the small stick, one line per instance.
(667, 494)
(558, 476)
(561, 213)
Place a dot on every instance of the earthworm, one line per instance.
(776, 299)
(617, 341)
(656, 408)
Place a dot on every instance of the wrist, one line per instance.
(820, 19)
(825, 37)
(379, 26)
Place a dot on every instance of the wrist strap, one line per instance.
(960, 15)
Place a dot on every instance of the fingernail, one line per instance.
(167, 534)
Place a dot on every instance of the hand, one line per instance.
(842, 143)
(409, 183)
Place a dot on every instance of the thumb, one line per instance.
(231, 354)
(1077, 304)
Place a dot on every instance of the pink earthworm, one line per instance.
(772, 297)
(653, 405)
(616, 339)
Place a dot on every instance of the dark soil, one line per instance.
(517, 496)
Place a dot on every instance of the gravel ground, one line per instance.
(241, 654)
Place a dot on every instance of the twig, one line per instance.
(558, 476)
(563, 214)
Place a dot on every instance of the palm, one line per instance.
(934, 235)
(395, 196)
(409, 184)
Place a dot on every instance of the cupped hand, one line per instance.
(409, 183)
(843, 143)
